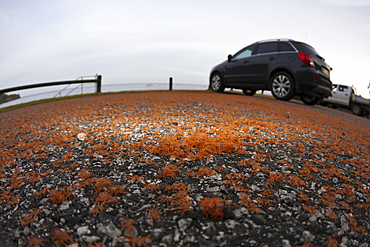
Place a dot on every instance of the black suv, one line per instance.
(283, 66)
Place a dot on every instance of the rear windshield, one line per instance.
(310, 49)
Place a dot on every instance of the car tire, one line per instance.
(282, 86)
(310, 100)
(216, 83)
(356, 109)
(249, 92)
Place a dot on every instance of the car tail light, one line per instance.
(306, 59)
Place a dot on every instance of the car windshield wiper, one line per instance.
(323, 59)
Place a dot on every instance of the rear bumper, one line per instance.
(315, 90)
(307, 85)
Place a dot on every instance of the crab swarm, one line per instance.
(183, 169)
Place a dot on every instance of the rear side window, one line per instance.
(285, 47)
(267, 47)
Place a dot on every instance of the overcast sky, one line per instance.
(148, 41)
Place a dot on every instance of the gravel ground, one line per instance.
(183, 169)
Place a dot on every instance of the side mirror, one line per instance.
(229, 57)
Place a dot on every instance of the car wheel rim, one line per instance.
(356, 110)
(216, 82)
(281, 85)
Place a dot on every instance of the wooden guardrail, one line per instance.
(98, 82)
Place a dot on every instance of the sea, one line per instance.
(29, 95)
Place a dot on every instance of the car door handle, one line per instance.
(272, 58)
(246, 61)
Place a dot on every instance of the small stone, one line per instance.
(321, 190)
(90, 239)
(109, 230)
(84, 230)
(313, 219)
(287, 213)
(237, 213)
(157, 232)
(283, 192)
(184, 223)
(254, 188)
(81, 136)
(230, 224)
(286, 243)
(64, 206)
(176, 238)
(26, 231)
(344, 224)
(213, 189)
(205, 236)
(85, 200)
(43, 201)
(307, 236)
(17, 233)
(244, 210)
(253, 242)
(167, 239)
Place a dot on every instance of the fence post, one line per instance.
(98, 84)
(170, 83)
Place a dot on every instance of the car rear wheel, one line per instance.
(216, 83)
(282, 86)
(249, 92)
(310, 100)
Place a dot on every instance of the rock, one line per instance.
(85, 200)
(167, 239)
(238, 213)
(230, 224)
(307, 237)
(344, 224)
(157, 232)
(109, 230)
(176, 238)
(213, 189)
(286, 243)
(244, 210)
(26, 231)
(184, 224)
(81, 136)
(64, 206)
(313, 219)
(208, 228)
(84, 230)
(90, 239)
